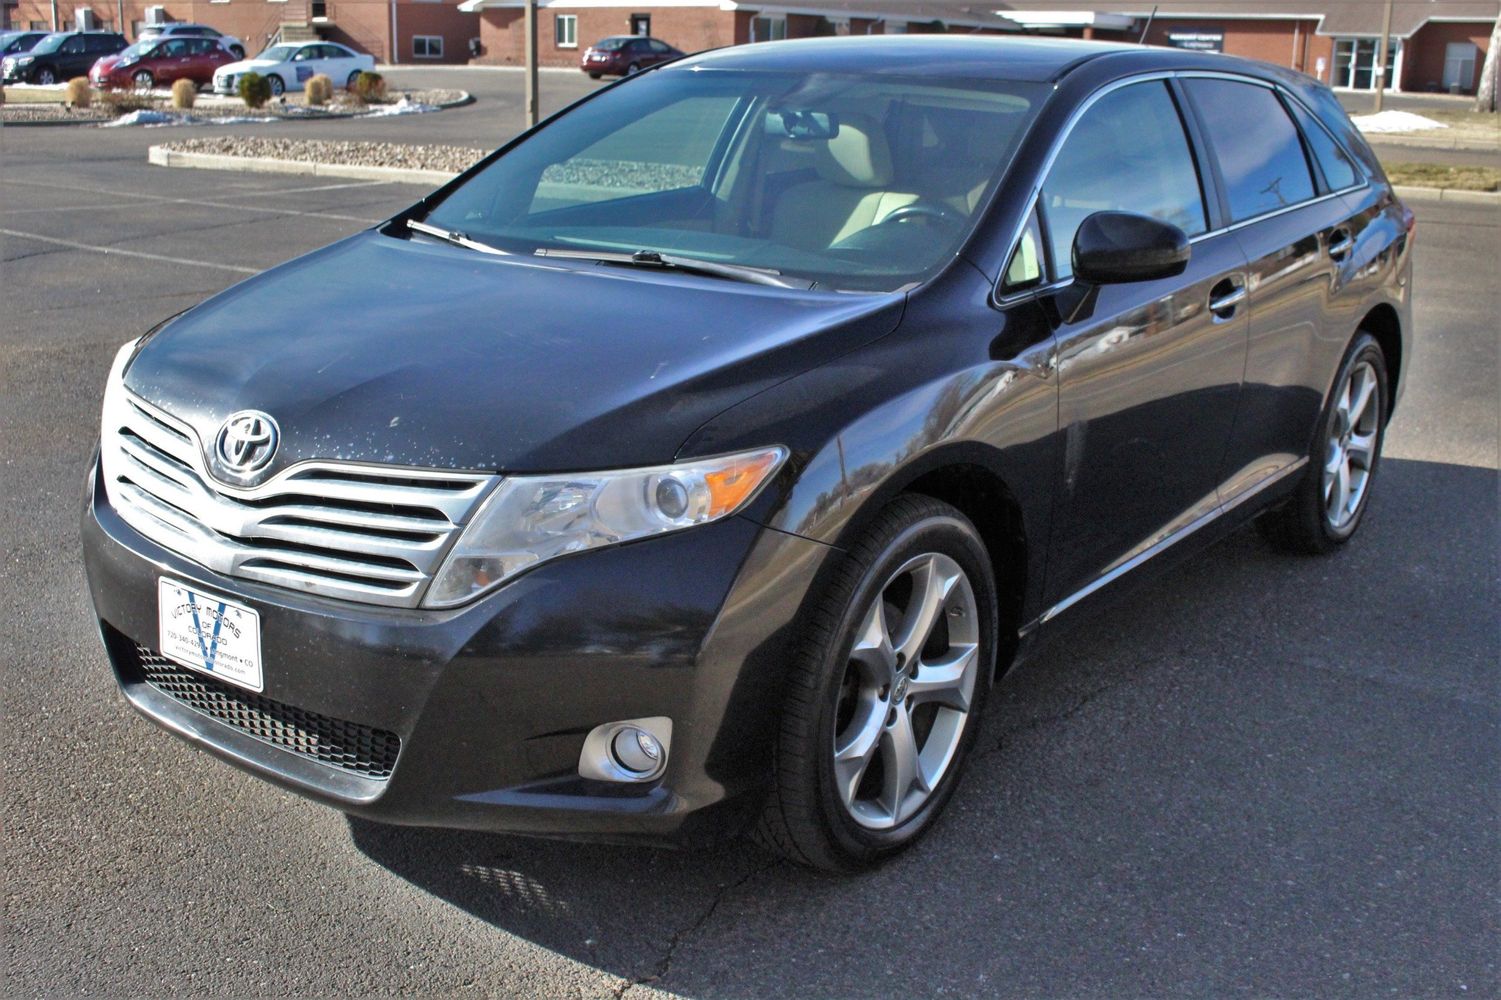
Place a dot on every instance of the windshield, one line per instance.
(138, 49)
(51, 43)
(279, 53)
(858, 181)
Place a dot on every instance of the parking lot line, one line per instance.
(161, 199)
(129, 253)
(304, 190)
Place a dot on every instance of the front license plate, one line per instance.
(209, 634)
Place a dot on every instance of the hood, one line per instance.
(380, 349)
(104, 64)
(247, 65)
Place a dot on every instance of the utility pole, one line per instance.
(1381, 54)
(531, 63)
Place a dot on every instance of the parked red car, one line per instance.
(153, 62)
(622, 55)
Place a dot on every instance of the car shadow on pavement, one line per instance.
(1262, 773)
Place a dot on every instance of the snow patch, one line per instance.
(1395, 121)
(159, 119)
(401, 107)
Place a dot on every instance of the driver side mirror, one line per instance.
(1116, 247)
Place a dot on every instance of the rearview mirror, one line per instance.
(807, 126)
(1116, 247)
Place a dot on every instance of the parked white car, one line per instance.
(291, 65)
(184, 29)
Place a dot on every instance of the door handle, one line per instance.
(1225, 296)
(1340, 243)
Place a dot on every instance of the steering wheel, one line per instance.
(932, 211)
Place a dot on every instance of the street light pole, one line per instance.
(531, 63)
(1382, 53)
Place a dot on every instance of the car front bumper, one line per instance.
(492, 702)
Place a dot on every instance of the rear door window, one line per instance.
(1256, 144)
(1127, 153)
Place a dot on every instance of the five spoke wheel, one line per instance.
(1351, 449)
(906, 691)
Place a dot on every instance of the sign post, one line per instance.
(531, 63)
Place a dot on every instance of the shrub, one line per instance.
(255, 90)
(184, 93)
(80, 94)
(120, 102)
(370, 88)
(318, 90)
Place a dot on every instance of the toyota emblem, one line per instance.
(247, 442)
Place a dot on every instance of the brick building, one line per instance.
(423, 31)
(1436, 45)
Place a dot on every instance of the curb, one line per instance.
(1424, 142)
(1451, 195)
(163, 157)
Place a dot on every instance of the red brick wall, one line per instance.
(691, 29)
(1270, 41)
(1423, 54)
(361, 24)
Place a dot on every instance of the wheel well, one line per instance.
(983, 498)
(1382, 323)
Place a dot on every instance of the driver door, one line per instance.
(1149, 371)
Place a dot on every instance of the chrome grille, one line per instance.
(369, 533)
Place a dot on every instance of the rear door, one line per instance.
(1149, 371)
(1297, 233)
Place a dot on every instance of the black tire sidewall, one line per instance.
(951, 535)
(277, 87)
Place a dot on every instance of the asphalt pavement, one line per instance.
(1260, 776)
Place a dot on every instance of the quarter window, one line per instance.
(1025, 269)
(565, 31)
(1256, 145)
(1339, 171)
(1127, 153)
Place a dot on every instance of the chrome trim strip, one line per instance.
(1188, 529)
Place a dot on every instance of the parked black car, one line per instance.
(696, 462)
(60, 56)
(13, 43)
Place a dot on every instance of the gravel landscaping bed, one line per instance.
(52, 113)
(208, 107)
(364, 154)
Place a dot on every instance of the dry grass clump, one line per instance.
(2, 97)
(317, 91)
(79, 93)
(184, 93)
(122, 102)
(369, 87)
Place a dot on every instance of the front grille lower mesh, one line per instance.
(348, 746)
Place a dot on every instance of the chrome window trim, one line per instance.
(1033, 198)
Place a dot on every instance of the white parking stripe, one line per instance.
(161, 199)
(304, 190)
(129, 253)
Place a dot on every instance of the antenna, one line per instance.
(1148, 26)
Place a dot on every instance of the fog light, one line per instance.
(631, 750)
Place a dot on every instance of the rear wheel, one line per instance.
(277, 87)
(886, 691)
(143, 79)
(238, 51)
(1331, 499)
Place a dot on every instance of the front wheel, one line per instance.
(143, 80)
(1326, 509)
(354, 78)
(45, 76)
(277, 87)
(237, 51)
(885, 692)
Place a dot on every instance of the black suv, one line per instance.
(60, 56)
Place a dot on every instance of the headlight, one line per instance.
(531, 519)
(24, 60)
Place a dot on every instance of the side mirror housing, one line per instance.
(1116, 247)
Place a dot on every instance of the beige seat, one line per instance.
(854, 169)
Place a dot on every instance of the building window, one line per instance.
(1459, 66)
(768, 29)
(565, 31)
(427, 46)
(1355, 63)
(641, 24)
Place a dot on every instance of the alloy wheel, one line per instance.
(1350, 451)
(45, 77)
(905, 696)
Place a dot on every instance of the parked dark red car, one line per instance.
(622, 55)
(154, 62)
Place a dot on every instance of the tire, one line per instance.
(277, 87)
(594, 76)
(353, 78)
(45, 76)
(238, 51)
(851, 814)
(633, 69)
(143, 80)
(1344, 458)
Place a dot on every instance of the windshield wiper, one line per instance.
(692, 265)
(457, 239)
